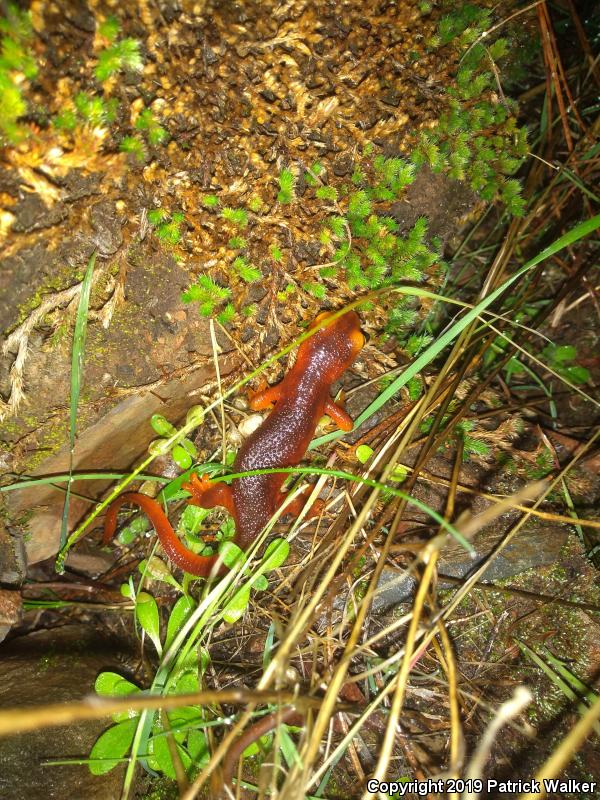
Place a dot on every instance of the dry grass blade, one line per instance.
(508, 711)
(17, 720)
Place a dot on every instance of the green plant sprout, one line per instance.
(119, 56)
(559, 358)
(237, 243)
(154, 132)
(167, 227)
(208, 294)
(134, 145)
(236, 216)
(210, 201)
(87, 109)
(286, 182)
(246, 271)
(110, 28)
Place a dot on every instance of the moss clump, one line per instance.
(16, 61)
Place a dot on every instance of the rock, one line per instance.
(12, 572)
(53, 666)
(104, 221)
(138, 366)
(32, 214)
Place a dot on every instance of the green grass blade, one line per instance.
(76, 375)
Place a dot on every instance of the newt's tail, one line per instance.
(172, 545)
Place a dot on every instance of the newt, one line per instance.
(300, 400)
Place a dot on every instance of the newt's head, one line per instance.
(333, 347)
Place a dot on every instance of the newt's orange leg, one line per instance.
(207, 494)
(341, 418)
(265, 396)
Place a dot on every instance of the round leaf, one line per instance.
(261, 584)
(111, 683)
(189, 447)
(198, 749)
(161, 425)
(181, 457)
(158, 570)
(158, 447)
(162, 755)
(364, 453)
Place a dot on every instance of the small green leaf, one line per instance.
(158, 447)
(189, 447)
(276, 554)
(198, 749)
(195, 416)
(192, 519)
(158, 570)
(111, 746)
(187, 681)
(258, 747)
(260, 584)
(576, 374)
(161, 425)
(179, 615)
(561, 353)
(210, 201)
(181, 457)
(232, 554)
(146, 611)
(236, 607)
(113, 684)
(399, 474)
(364, 453)
(162, 755)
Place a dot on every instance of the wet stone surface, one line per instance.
(55, 666)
